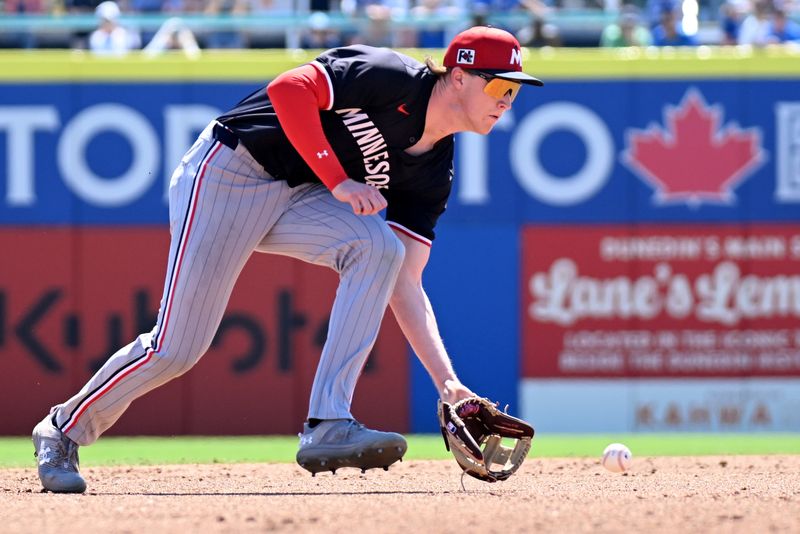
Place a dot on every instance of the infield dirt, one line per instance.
(664, 494)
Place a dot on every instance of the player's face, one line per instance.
(490, 97)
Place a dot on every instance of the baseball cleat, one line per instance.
(57, 456)
(337, 443)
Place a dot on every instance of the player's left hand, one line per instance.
(453, 391)
(488, 444)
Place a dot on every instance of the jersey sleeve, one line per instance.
(364, 77)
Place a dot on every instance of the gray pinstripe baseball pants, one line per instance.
(223, 207)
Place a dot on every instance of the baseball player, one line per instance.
(302, 167)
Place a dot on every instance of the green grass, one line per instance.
(18, 452)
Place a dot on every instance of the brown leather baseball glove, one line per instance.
(474, 429)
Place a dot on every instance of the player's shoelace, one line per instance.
(58, 453)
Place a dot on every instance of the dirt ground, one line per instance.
(692, 494)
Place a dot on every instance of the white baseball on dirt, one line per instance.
(617, 458)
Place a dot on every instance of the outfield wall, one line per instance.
(627, 238)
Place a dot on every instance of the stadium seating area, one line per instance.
(116, 27)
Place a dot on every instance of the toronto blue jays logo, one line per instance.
(694, 157)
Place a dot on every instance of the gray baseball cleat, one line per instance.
(336, 443)
(57, 456)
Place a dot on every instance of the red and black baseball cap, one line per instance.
(490, 50)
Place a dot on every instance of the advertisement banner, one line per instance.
(70, 297)
(661, 301)
(592, 152)
(662, 405)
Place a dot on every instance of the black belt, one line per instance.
(225, 135)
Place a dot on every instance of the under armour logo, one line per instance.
(306, 440)
(465, 56)
(322, 154)
(44, 455)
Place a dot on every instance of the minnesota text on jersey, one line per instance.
(369, 141)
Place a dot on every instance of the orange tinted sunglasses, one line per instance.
(496, 87)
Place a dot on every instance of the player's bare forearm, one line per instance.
(414, 314)
(412, 309)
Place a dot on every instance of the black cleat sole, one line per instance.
(364, 460)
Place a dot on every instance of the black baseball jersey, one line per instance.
(379, 101)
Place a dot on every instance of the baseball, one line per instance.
(617, 458)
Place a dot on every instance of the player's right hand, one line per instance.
(363, 198)
(453, 391)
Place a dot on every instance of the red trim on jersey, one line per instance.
(409, 233)
(105, 390)
(179, 258)
(170, 291)
(297, 96)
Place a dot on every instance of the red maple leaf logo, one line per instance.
(693, 160)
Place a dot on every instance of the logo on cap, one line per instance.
(465, 56)
(516, 57)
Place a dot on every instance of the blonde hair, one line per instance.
(437, 70)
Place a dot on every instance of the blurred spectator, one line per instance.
(479, 15)
(756, 26)
(485, 8)
(436, 37)
(655, 9)
(183, 7)
(319, 33)
(173, 35)
(627, 31)
(322, 5)
(80, 38)
(782, 29)
(111, 39)
(357, 8)
(80, 7)
(283, 37)
(539, 33)
(669, 32)
(146, 6)
(228, 38)
(731, 15)
(23, 7)
(378, 29)
(149, 7)
(482, 10)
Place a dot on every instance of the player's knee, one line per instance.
(388, 252)
(183, 366)
(176, 361)
(379, 251)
